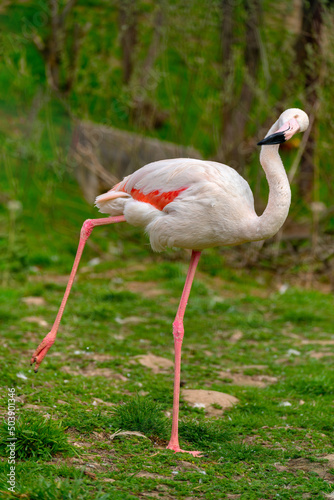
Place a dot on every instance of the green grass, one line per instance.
(272, 443)
(91, 378)
(36, 438)
(141, 414)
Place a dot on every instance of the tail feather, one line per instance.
(112, 202)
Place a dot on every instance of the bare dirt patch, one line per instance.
(208, 353)
(98, 401)
(305, 465)
(100, 357)
(160, 489)
(236, 336)
(320, 354)
(92, 371)
(34, 301)
(251, 367)
(200, 398)
(183, 465)
(145, 288)
(36, 319)
(151, 475)
(156, 363)
(330, 459)
(250, 380)
(318, 342)
(36, 407)
(49, 278)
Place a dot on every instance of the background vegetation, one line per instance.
(212, 75)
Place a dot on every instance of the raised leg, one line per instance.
(178, 332)
(86, 231)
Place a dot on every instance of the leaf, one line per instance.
(127, 433)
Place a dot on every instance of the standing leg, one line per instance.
(86, 231)
(178, 332)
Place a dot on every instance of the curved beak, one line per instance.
(283, 134)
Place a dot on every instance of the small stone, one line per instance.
(34, 301)
(293, 352)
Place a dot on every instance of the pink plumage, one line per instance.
(184, 203)
(192, 204)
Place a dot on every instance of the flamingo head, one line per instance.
(289, 123)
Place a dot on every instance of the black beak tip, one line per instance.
(277, 138)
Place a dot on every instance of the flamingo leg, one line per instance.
(178, 333)
(86, 231)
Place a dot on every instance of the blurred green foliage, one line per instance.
(41, 211)
(36, 124)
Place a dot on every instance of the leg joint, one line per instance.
(87, 228)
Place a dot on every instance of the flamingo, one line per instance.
(192, 204)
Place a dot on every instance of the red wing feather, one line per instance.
(156, 198)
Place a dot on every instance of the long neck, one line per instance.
(279, 200)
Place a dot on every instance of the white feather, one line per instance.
(202, 215)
